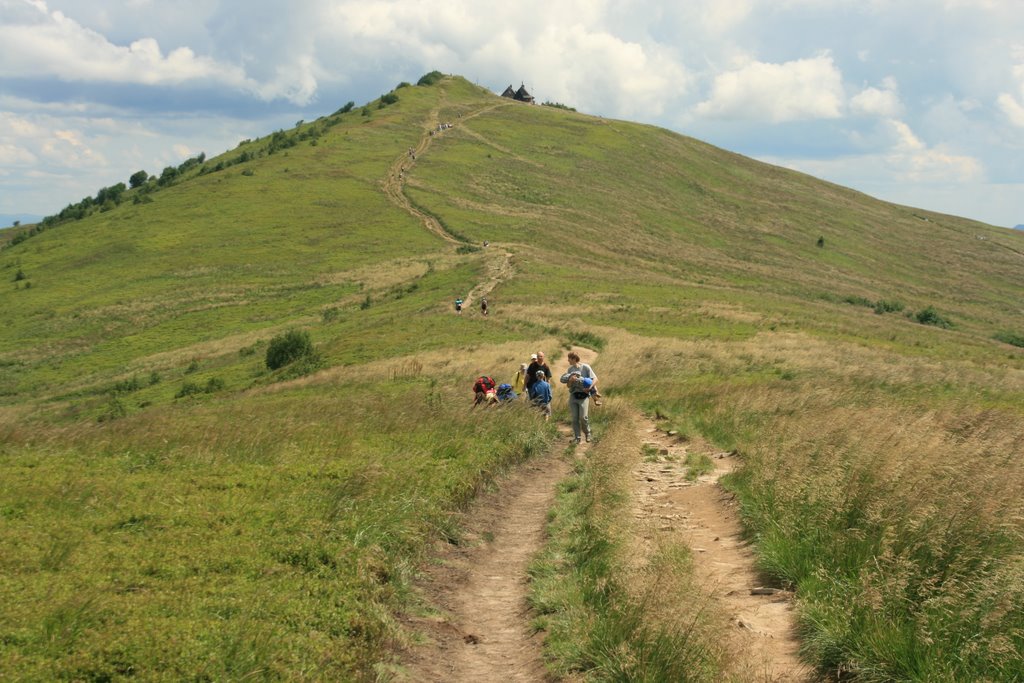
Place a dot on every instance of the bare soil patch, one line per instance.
(479, 587)
(702, 514)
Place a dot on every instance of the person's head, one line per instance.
(522, 367)
(540, 357)
(533, 357)
(573, 357)
(540, 375)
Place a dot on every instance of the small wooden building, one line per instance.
(520, 95)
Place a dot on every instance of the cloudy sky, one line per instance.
(920, 102)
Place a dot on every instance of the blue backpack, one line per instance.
(505, 392)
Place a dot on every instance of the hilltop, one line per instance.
(204, 512)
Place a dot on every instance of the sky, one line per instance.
(918, 102)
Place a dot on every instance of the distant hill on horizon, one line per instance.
(1019, 226)
(7, 219)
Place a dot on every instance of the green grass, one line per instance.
(171, 508)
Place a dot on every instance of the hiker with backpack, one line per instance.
(458, 306)
(542, 395)
(506, 393)
(538, 364)
(484, 391)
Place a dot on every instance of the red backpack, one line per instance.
(483, 384)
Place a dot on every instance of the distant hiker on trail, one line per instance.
(483, 305)
(484, 391)
(531, 372)
(458, 306)
(579, 403)
(584, 370)
(542, 395)
(519, 381)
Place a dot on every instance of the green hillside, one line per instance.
(172, 508)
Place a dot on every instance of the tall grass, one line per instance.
(890, 499)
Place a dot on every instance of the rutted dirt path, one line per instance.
(480, 586)
(704, 516)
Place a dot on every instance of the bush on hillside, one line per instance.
(347, 108)
(385, 100)
(883, 306)
(138, 179)
(430, 78)
(1011, 338)
(288, 347)
(929, 316)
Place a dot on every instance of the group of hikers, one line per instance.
(483, 305)
(534, 379)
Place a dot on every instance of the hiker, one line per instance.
(458, 306)
(579, 403)
(519, 381)
(484, 391)
(506, 393)
(531, 372)
(483, 305)
(542, 395)
(583, 369)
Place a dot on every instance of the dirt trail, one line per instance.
(703, 515)
(499, 261)
(481, 585)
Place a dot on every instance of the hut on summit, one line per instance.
(520, 95)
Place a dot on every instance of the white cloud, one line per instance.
(51, 44)
(876, 102)
(791, 91)
(1012, 105)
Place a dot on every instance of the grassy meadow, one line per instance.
(173, 509)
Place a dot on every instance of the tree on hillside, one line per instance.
(138, 179)
(168, 176)
(430, 78)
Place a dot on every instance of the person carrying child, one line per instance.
(579, 403)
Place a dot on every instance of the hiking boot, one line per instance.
(576, 440)
(588, 439)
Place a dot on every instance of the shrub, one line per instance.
(20, 275)
(858, 301)
(557, 105)
(1010, 338)
(430, 78)
(347, 108)
(929, 316)
(288, 347)
(387, 99)
(883, 306)
(403, 84)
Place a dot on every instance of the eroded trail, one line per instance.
(483, 632)
(703, 515)
(480, 586)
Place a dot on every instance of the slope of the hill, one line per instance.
(638, 219)
(173, 509)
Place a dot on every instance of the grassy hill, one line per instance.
(172, 508)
